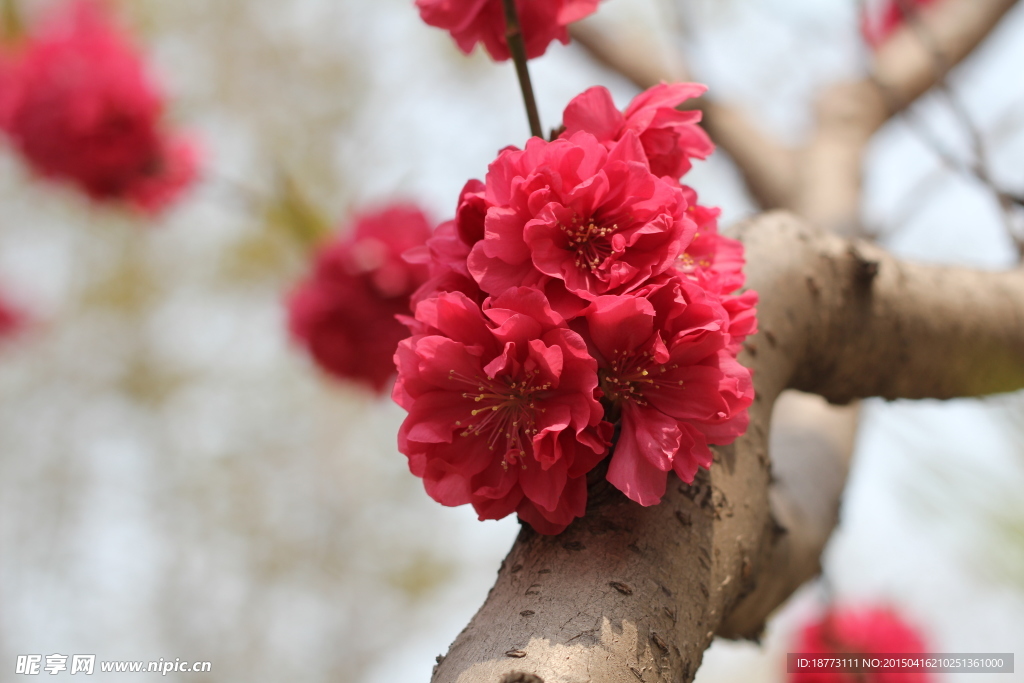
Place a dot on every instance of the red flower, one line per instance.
(501, 404)
(869, 631)
(610, 291)
(666, 368)
(8, 65)
(716, 263)
(483, 21)
(80, 107)
(670, 137)
(877, 29)
(179, 159)
(446, 251)
(344, 313)
(11, 319)
(577, 220)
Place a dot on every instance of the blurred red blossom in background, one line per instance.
(344, 312)
(12, 319)
(878, 26)
(80, 106)
(860, 630)
(483, 21)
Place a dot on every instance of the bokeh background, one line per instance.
(177, 480)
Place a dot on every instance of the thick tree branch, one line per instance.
(631, 593)
(882, 327)
(830, 163)
(972, 322)
(811, 445)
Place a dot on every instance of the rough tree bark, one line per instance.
(630, 593)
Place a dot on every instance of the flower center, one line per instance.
(589, 242)
(689, 264)
(631, 374)
(506, 415)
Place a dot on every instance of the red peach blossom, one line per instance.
(446, 251)
(444, 254)
(344, 312)
(666, 368)
(607, 266)
(501, 404)
(716, 263)
(577, 220)
(81, 107)
(483, 21)
(870, 631)
(7, 72)
(12, 319)
(877, 29)
(670, 137)
(180, 157)
(742, 318)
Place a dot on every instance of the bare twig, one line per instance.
(516, 46)
(905, 66)
(978, 167)
(822, 181)
(767, 166)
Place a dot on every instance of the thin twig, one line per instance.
(978, 167)
(516, 46)
(906, 69)
(768, 168)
